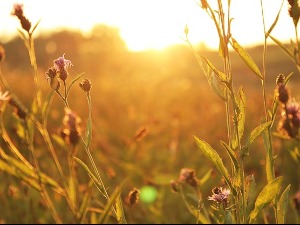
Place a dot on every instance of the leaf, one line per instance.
(85, 202)
(73, 82)
(35, 26)
(206, 177)
(241, 103)
(220, 74)
(257, 131)
(218, 87)
(120, 212)
(109, 205)
(268, 193)
(282, 205)
(214, 157)
(275, 22)
(250, 193)
(245, 57)
(285, 49)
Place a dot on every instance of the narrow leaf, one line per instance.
(111, 202)
(250, 193)
(285, 49)
(241, 103)
(120, 212)
(282, 205)
(275, 22)
(268, 193)
(257, 131)
(220, 74)
(245, 57)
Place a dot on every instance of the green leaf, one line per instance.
(245, 57)
(105, 214)
(241, 103)
(120, 212)
(73, 82)
(214, 157)
(206, 177)
(33, 29)
(268, 193)
(282, 205)
(218, 87)
(257, 131)
(85, 202)
(250, 193)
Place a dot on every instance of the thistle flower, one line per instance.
(281, 91)
(71, 131)
(188, 176)
(85, 85)
(133, 197)
(220, 196)
(61, 65)
(18, 12)
(290, 119)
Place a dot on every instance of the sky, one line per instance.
(151, 24)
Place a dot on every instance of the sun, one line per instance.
(154, 24)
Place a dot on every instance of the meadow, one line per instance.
(146, 110)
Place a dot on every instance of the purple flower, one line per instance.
(62, 64)
(220, 196)
(17, 10)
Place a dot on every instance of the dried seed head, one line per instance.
(188, 176)
(282, 93)
(2, 54)
(280, 79)
(71, 130)
(18, 12)
(133, 197)
(85, 85)
(52, 78)
(294, 11)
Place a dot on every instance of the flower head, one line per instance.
(188, 176)
(133, 197)
(220, 196)
(52, 78)
(62, 64)
(18, 12)
(71, 131)
(85, 85)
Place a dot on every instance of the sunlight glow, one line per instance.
(152, 24)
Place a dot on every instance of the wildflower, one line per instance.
(2, 54)
(133, 197)
(290, 119)
(53, 79)
(61, 65)
(18, 12)
(85, 85)
(220, 196)
(188, 176)
(71, 131)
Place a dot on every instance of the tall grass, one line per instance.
(60, 175)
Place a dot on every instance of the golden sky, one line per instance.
(150, 24)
